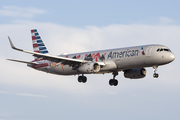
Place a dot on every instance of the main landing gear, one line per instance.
(155, 75)
(82, 79)
(113, 81)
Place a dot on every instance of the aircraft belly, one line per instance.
(144, 61)
(64, 70)
(127, 62)
(69, 71)
(110, 65)
(134, 62)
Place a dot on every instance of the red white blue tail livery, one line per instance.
(38, 45)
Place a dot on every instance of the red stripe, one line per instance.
(41, 65)
(62, 67)
(33, 38)
(32, 31)
(37, 51)
(35, 45)
(36, 60)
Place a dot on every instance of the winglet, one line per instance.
(11, 43)
(13, 47)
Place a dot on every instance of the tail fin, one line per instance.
(38, 44)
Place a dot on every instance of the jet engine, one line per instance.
(135, 73)
(91, 67)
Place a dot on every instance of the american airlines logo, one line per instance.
(121, 54)
(142, 51)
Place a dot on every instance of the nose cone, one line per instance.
(171, 57)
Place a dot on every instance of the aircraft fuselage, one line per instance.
(114, 59)
(131, 60)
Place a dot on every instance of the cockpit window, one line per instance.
(163, 49)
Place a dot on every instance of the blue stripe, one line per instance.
(42, 44)
(35, 30)
(43, 52)
(38, 37)
(42, 48)
(36, 34)
(39, 41)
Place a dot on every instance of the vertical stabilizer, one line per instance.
(38, 45)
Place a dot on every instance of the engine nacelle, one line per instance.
(135, 73)
(90, 67)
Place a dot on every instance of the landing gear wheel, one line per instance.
(113, 82)
(156, 75)
(82, 79)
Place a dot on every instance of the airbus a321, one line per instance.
(131, 60)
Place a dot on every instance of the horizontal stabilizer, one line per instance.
(32, 63)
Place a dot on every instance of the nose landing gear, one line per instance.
(113, 81)
(155, 75)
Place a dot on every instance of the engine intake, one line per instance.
(135, 73)
(90, 67)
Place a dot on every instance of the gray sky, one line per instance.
(78, 26)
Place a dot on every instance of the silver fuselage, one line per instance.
(114, 59)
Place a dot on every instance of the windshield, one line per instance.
(163, 49)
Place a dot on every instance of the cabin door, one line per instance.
(148, 51)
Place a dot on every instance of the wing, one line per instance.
(32, 63)
(63, 60)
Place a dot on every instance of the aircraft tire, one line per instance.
(113, 82)
(80, 79)
(155, 75)
(84, 79)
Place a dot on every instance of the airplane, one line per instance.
(130, 60)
